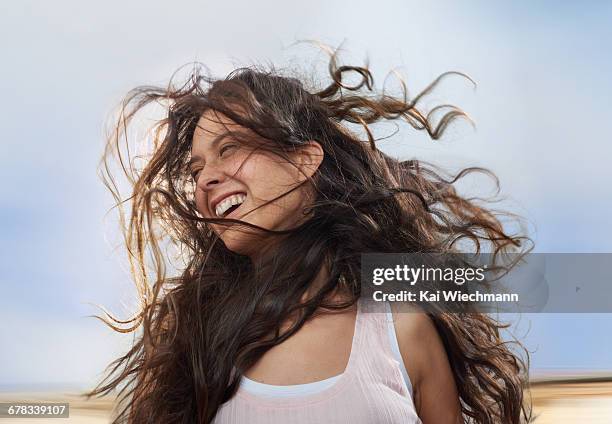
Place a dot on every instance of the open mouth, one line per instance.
(229, 205)
(230, 210)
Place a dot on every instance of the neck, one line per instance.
(339, 294)
(265, 259)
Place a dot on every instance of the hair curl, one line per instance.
(205, 326)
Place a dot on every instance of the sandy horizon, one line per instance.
(556, 399)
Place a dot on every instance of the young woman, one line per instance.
(271, 199)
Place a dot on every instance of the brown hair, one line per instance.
(205, 326)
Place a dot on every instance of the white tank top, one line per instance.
(373, 389)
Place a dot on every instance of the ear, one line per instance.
(309, 157)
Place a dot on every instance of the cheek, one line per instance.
(200, 202)
(267, 178)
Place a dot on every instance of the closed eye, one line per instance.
(195, 174)
(225, 148)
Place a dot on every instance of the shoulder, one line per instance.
(428, 366)
(419, 343)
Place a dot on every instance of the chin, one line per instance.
(245, 240)
(239, 242)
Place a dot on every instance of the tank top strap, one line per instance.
(372, 306)
(358, 342)
(370, 390)
(371, 341)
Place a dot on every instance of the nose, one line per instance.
(210, 177)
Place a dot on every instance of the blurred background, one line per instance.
(542, 109)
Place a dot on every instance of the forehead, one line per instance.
(212, 125)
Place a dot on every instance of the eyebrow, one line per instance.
(215, 141)
(194, 159)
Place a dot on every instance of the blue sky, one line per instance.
(542, 109)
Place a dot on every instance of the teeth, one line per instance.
(228, 202)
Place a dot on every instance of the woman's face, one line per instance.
(233, 180)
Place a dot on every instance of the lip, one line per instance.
(214, 202)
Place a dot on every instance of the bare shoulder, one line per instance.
(418, 339)
(435, 392)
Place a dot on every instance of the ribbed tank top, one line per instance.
(371, 390)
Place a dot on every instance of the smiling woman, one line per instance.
(272, 200)
(242, 182)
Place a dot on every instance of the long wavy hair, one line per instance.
(201, 328)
